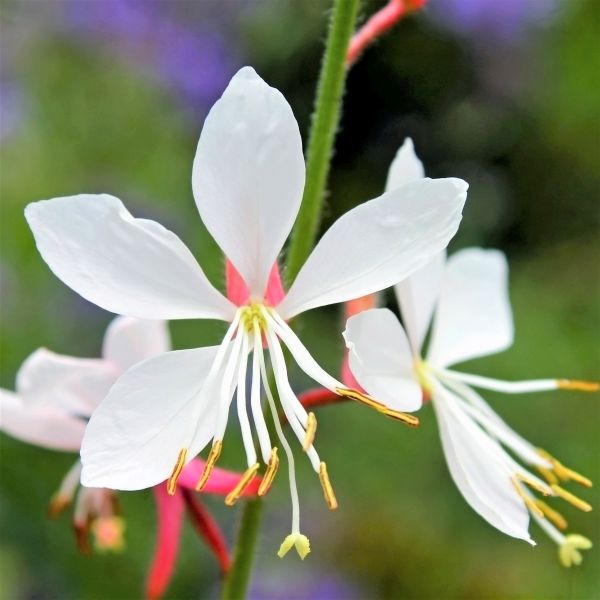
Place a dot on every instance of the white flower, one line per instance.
(248, 178)
(469, 295)
(54, 398)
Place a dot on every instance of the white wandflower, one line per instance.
(248, 178)
(469, 295)
(55, 396)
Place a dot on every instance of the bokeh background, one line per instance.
(110, 96)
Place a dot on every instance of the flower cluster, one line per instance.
(142, 413)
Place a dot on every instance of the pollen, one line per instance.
(328, 492)
(572, 499)
(213, 456)
(252, 314)
(242, 484)
(108, 534)
(311, 429)
(365, 399)
(267, 480)
(172, 481)
(577, 385)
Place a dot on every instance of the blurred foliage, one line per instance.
(520, 123)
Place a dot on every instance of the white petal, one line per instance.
(405, 167)
(484, 485)
(377, 244)
(417, 296)
(248, 175)
(381, 360)
(128, 266)
(496, 426)
(129, 341)
(473, 317)
(134, 437)
(39, 425)
(67, 384)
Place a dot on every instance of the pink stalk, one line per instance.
(169, 517)
(383, 20)
(208, 528)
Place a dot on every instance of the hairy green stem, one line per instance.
(236, 584)
(324, 126)
(325, 122)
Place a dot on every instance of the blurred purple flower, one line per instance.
(12, 108)
(497, 20)
(195, 60)
(326, 587)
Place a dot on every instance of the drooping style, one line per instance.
(54, 399)
(248, 178)
(468, 293)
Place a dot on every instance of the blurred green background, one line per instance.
(109, 96)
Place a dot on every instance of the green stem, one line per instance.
(325, 121)
(236, 584)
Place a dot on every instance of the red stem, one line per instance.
(208, 528)
(378, 24)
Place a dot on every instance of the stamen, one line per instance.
(529, 502)
(57, 505)
(552, 515)
(311, 429)
(532, 483)
(330, 498)
(407, 419)
(564, 473)
(242, 484)
(577, 385)
(172, 481)
(213, 456)
(548, 475)
(572, 499)
(269, 476)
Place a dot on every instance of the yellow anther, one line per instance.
(58, 503)
(552, 515)
(572, 499)
(577, 385)
(213, 456)
(328, 492)
(548, 475)
(172, 481)
(564, 473)
(311, 429)
(529, 501)
(242, 484)
(534, 484)
(409, 420)
(269, 476)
